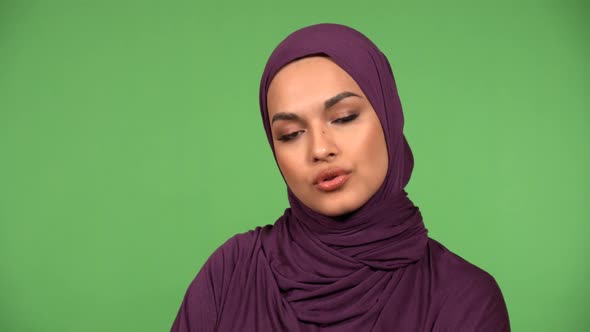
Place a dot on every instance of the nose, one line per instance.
(323, 145)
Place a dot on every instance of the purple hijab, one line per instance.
(372, 270)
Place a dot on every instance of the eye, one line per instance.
(346, 118)
(288, 137)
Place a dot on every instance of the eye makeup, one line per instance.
(347, 118)
(342, 120)
(290, 136)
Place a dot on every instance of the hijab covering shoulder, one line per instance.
(374, 269)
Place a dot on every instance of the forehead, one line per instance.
(307, 82)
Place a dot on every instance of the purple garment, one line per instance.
(371, 270)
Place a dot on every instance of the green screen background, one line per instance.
(131, 147)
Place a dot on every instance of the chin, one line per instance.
(337, 208)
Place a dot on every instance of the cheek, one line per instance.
(379, 146)
(289, 164)
(371, 150)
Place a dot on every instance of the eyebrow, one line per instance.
(327, 104)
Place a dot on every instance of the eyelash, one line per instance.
(346, 118)
(343, 120)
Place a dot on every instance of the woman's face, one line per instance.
(327, 138)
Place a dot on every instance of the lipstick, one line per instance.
(331, 179)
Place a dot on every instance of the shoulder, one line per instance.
(238, 248)
(471, 299)
(220, 268)
(455, 271)
(204, 298)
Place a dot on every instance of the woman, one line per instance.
(351, 253)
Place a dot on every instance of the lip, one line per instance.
(337, 178)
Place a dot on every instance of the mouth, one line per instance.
(331, 179)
